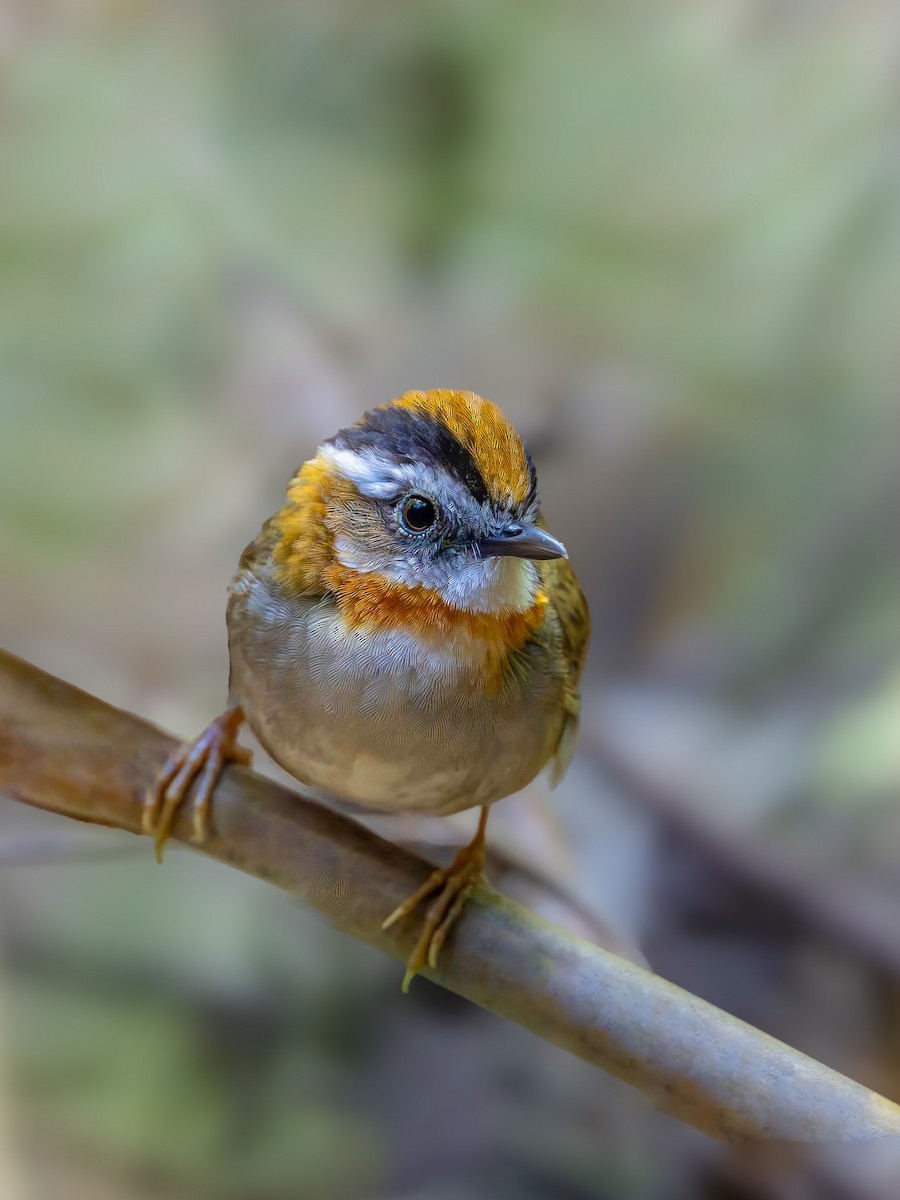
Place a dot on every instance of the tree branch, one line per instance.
(67, 752)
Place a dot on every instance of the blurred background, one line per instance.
(665, 238)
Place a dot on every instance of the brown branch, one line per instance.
(62, 750)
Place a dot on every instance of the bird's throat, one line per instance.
(305, 562)
(369, 601)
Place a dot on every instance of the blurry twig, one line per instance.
(67, 752)
(839, 910)
(40, 850)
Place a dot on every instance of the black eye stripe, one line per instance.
(408, 436)
(531, 497)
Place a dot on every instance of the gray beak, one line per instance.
(522, 541)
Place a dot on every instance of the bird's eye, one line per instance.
(417, 514)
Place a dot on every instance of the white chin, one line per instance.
(493, 585)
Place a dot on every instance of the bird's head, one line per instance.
(433, 494)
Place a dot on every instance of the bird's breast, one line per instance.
(385, 717)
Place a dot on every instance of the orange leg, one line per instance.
(453, 884)
(205, 757)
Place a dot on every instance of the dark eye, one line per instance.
(417, 514)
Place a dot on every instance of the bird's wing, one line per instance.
(567, 600)
(253, 564)
(256, 556)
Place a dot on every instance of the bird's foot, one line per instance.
(205, 757)
(453, 885)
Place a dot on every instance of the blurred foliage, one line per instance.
(156, 1097)
(709, 192)
(667, 239)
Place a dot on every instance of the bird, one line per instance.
(404, 634)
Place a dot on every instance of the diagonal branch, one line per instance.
(65, 751)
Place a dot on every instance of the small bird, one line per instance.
(404, 635)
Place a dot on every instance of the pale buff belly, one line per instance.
(382, 721)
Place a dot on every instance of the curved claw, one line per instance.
(454, 885)
(205, 757)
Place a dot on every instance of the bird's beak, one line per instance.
(522, 541)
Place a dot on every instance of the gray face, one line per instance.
(422, 514)
(420, 525)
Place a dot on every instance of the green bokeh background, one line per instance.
(666, 239)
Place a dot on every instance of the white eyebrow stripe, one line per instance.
(371, 474)
(383, 478)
